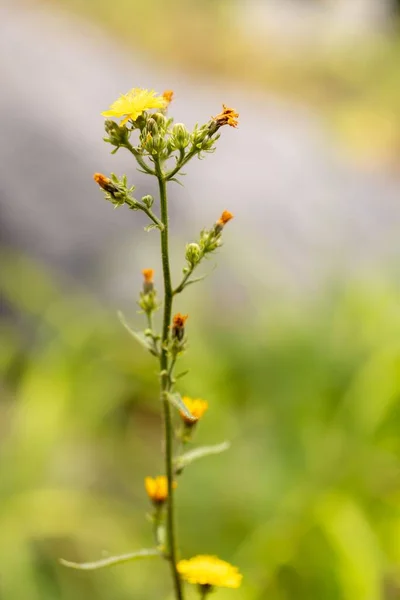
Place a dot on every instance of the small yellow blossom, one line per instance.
(209, 571)
(224, 218)
(132, 104)
(148, 275)
(168, 96)
(157, 488)
(228, 116)
(197, 407)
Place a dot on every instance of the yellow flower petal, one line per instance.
(134, 103)
(209, 570)
(197, 407)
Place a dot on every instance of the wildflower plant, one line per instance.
(162, 148)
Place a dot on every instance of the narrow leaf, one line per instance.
(111, 560)
(177, 180)
(188, 457)
(177, 401)
(151, 226)
(180, 375)
(139, 336)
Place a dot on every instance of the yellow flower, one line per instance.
(197, 407)
(228, 116)
(157, 488)
(209, 571)
(132, 104)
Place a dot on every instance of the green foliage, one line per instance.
(306, 500)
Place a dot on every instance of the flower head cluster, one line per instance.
(134, 103)
(209, 571)
(196, 406)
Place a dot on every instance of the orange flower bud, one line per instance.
(225, 217)
(178, 326)
(168, 96)
(105, 183)
(148, 283)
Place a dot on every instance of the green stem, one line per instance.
(204, 591)
(166, 383)
(140, 160)
(180, 164)
(182, 284)
(151, 215)
(153, 336)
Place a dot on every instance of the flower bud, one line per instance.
(161, 120)
(148, 280)
(178, 326)
(148, 143)
(105, 183)
(148, 201)
(157, 489)
(168, 96)
(151, 126)
(193, 254)
(222, 221)
(199, 135)
(181, 136)
(117, 136)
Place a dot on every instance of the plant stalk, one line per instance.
(166, 384)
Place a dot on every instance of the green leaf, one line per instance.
(177, 180)
(138, 335)
(111, 560)
(188, 457)
(176, 400)
(151, 226)
(180, 375)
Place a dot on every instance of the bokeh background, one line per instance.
(294, 340)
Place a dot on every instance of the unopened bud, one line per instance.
(222, 221)
(193, 254)
(178, 326)
(148, 143)
(180, 136)
(105, 183)
(148, 201)
(148, 282)
(117, 135)
(160, 120)
(151, 126)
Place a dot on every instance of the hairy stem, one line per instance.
(166, 384)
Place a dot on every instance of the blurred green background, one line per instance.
(307, 388)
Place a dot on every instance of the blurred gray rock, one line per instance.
(301, 212)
